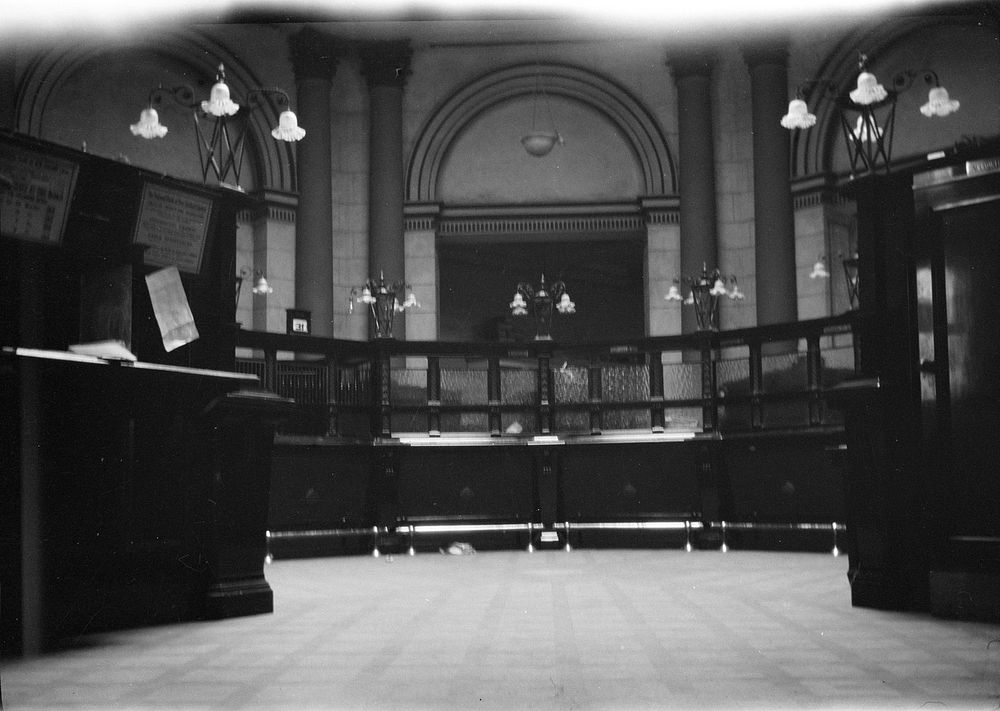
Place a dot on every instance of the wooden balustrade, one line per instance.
(336, 378)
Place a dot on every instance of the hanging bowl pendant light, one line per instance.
(539, 142)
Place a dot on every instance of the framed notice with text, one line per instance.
(35, 204)
(173, 224)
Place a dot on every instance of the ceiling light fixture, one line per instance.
(220, 143)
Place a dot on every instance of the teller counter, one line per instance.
(134, 494)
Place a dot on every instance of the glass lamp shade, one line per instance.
(798, 115)
(540, 143)
(261, 286)
(288, 128)
(149, 125)
(865, 131)
(869, 91)
(565, 305)
(819, 270)
(939, 103)
(673, 294)
(219, 103)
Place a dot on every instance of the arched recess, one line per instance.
(892, 48)
(189, 57)
(627, 114)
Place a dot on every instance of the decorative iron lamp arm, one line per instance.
(869, 138)
(288, 128)
(220, 152)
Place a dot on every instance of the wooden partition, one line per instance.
(660, 441)
(80, 233)
(135, 480)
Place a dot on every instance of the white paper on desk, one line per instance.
(171, 308)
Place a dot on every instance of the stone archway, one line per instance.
(911, 44)
(643, 213)
(602, 96)
(186, 57)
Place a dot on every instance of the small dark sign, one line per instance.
(298, 321)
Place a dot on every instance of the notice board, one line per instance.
(173, 224)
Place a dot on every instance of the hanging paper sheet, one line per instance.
(171, 308)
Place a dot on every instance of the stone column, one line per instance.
(662, 218)
(421, 270)
(7, 86)
(386, 65)
(314, 60)
(774, 224)
(696, 165)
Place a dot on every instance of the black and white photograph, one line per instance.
(445, 355)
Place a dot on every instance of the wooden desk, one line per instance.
(134, 494)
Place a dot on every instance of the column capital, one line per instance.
(385, 63)
(661, 210)
(275, 205)
(692, 63)
(314, 54)
(773, 50)
(421, 216)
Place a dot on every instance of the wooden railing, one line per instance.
(748, 380)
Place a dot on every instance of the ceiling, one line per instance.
(453, 21)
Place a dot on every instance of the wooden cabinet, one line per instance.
(923, 495)
(78, 235)
(957, 271)
(131, 493)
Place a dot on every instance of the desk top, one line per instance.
(66, 356)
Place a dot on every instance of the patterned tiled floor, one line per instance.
(633, 629)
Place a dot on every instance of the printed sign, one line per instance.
(173, 225)
(35, 202)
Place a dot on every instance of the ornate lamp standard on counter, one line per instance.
(380, 296)
(540, 302)
(704, 296)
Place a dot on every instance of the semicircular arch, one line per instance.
(889, 48)
(49, 75)
(636, 124)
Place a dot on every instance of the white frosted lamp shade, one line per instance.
(566, 306)
(261, 286)
(149, 125)
(863, 132)
(819, 270)
(288, 128)
(219, 103)
(869, 91)
(939, 103)
(798, 115)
